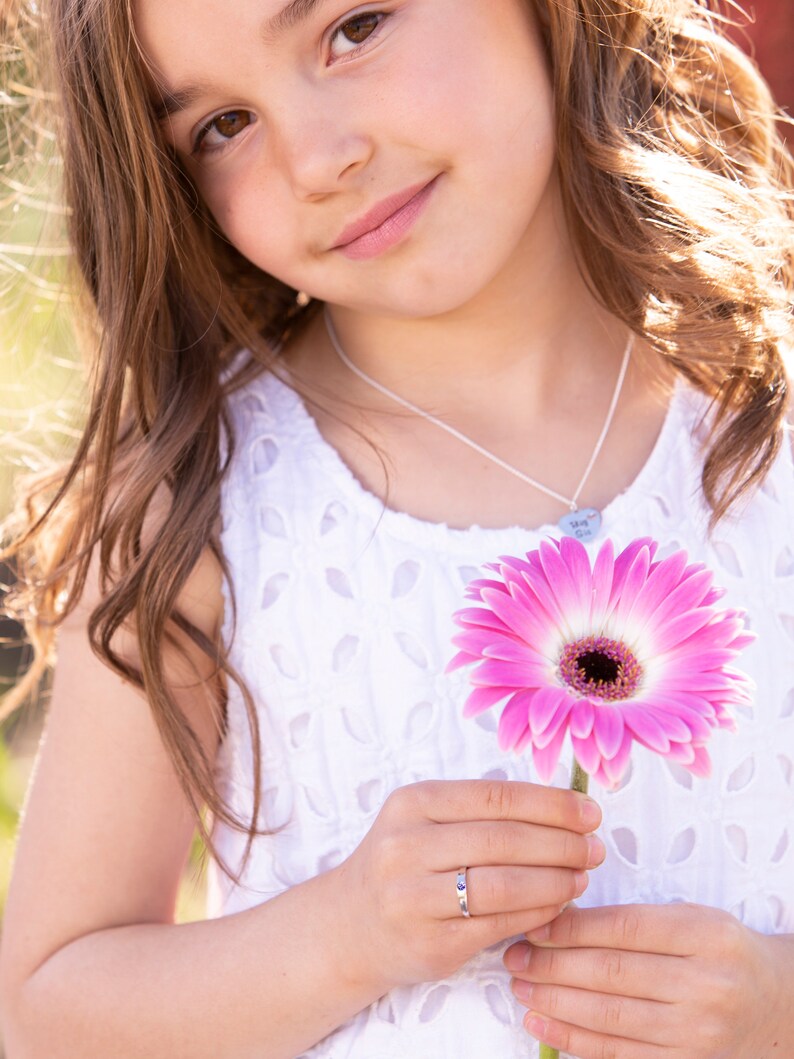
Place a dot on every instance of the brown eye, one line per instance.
(355, 33)
(228, 125)
(358, 29)
(217, 133)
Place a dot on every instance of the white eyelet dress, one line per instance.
(343, 631)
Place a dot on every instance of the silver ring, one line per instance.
(462, 892)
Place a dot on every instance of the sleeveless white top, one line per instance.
(344, 623)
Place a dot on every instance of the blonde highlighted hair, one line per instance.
(677, 191)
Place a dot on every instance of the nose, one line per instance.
(321, 145)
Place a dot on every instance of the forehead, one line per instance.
(182, 31)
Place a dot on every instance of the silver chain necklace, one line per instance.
(582, 523)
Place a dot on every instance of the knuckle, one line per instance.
(418, 797)
(551, 1001)
(611, 966)
(498, 799)
(606, 1050)
(626, 925)
(390, 856)
(731, 935)
(612, 1014)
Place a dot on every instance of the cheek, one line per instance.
(257, 224)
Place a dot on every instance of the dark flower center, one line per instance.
(601, 668)
(598, 668)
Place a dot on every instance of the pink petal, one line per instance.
(512, 651)
(635, 578)
(686, 658)
(681, 628)
(479, 617)
(698, 725)
(519, 619)
(603, 779)
(674, 682)
(743, 640)
(714, 595)
(475, 641)
(582, 718)
(673, 726)
(546, 758)
(549, 710)
(509, 674)
(701, 766)
(608, 730)
(662, 579)
(574, 555)
(481, 699)
(646, 729)
(681, 753)
(602, 578)
(544, 705)
(586, 753)
(616, 766)
(569, 595)
(688, 595)
(523, 742)
(514, 721)
(624, 562)
(462, 658)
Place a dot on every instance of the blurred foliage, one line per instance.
(42, 390)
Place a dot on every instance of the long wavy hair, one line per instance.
(676, 186)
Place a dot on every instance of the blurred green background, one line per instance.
(42, 397)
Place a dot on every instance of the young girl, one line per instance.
(530, 221)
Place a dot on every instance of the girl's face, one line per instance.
(393, 157)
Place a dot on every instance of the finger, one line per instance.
(672, 930)
(630, 974)
(495, 891)
(510, 842)
(586, 1044)
(481, 932)
(618, 1016)
(450, 801)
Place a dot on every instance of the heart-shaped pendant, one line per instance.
(582, 524)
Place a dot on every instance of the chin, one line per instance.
(420, 294)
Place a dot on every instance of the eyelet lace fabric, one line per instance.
(343, 631)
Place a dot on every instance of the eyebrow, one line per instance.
(291, 15)
(169, 101)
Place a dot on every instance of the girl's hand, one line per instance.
(526, 848)
(645, 982)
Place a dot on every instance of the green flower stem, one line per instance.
(579, 778)
(579, 782)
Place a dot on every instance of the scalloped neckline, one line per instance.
(410, 527)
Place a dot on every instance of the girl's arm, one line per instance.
(92, 963)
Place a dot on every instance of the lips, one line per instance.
(385, 223)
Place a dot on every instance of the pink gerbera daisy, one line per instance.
(632, 649)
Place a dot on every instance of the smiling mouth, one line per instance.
(385, 225)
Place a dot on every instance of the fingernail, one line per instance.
(537, 1026)
(517, 958)
(522, 989)
(596, 851)
(591, 813)
(540, 934)
(582, 880)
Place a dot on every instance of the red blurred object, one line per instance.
(769, 38)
